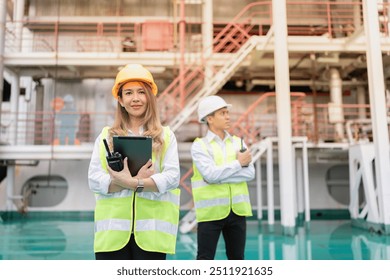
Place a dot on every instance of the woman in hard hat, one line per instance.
(222, 166)
(136, 217)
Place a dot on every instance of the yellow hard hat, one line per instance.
(133, 72)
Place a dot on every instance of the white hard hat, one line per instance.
(209, 105)
(68, 98)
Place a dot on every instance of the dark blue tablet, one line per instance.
(137, 149)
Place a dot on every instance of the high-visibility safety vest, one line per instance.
(214, 201)
(154, 221)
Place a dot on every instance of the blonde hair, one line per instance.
(152, 124)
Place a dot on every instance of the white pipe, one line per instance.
(336, 95)
(259, 190)
(357, 22)
(207, 39)
(270, 82)
(270, 185)
(294, 183)
(355, 176)
(336, 99)
(306, 180)
(378, 109)
(15, 91)
(302, 178)
(18, 19)
(3, 16)
(283, 106)
(10, 187)
(299, 183)
(387, 12)
(361, 100)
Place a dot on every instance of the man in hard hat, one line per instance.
(67, 118)
(136, 215)
(222, 166)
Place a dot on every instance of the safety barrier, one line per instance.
(304, 18)
(256, 123)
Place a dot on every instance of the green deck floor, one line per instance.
(51, 239)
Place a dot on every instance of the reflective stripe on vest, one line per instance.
(214, 201)
(145, 225)
(156, 218)
(113, 224)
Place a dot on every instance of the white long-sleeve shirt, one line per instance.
(166, 179)
(231, 172)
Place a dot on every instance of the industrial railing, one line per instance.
(304, 18)
(258, 122)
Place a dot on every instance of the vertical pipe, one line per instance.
(15, 91)
(175, 24)
(378, 109)
(294, 182)
(10, 187)
(314, 100)
(336, 99)
(3, 15)
(182, 27)
(387, 6)
(353, 188)
(18, 19)
(270, 185)
(299, 184)
(207, 37)
(259, 190)
(306, 180)
(357, 20)
(361, 100)
(283, 106)
(329, 16)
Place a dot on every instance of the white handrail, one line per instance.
(216, 83)
(266, 145)
(360, 122)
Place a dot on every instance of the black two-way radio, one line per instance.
(114, 160)
(243, 149)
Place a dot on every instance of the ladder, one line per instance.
(216, 83)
